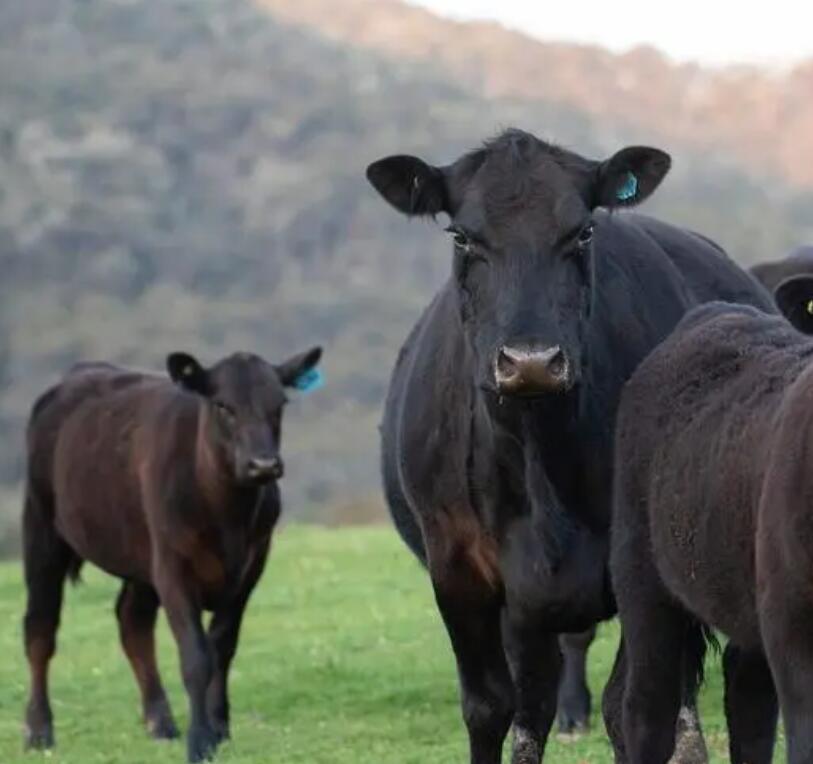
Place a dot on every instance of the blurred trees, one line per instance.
(190, 175)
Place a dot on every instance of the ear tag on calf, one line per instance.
(628, 190)
(309, 380)
(809, 307)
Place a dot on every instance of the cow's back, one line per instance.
(86, 445)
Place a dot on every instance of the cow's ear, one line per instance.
(185, 371)
(794, 297)
(300, 371)
(410, 185)
(630, 176)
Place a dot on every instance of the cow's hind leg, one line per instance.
(574, 695)
(750, 706)
(786, 632)
(612, 703)
(136, 610)
(47, 561)
(654, 640)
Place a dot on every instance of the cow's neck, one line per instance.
(524, 455)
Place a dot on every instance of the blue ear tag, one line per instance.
(309, 380)
(628, 190)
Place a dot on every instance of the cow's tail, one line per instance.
(699, 638)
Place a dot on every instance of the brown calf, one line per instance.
(170, 487)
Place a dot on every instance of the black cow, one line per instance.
(497, 432)
(713, 528)
(170, 487)
(789, 281)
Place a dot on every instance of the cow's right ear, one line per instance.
(410, 185)
(185, 371)
(794, 297)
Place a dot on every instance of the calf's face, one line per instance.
(520, 213)
(244, 397)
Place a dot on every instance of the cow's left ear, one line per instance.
(794, 297)
(185, 371)
(630, 176)
(300, 371)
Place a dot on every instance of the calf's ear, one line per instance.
(794, 297)
(410, 185)
(300, 371)
(185, 371)
(630, 176)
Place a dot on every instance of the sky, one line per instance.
(714, 32)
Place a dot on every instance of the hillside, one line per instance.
(190, 176)
(342, 659)
(762, 119)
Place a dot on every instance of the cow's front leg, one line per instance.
(224, 631)
(197, 664)
(535, 662)
(469, 596)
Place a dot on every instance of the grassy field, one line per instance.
(343, 659)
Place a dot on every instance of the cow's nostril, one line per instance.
(557, 364)
(506, 365)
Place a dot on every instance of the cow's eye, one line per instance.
(460, 238)
(224, 412)
(586, 235)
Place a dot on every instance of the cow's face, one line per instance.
(520, 216)
(244, 397)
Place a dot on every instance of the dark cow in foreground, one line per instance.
(789, 280)
(170, 487)
(713, 528)
(497, 432)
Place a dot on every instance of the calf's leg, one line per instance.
(653, 637)
(136, 610)
(197, 661)
(574, 695)
(224, 631)
(750, 706)
(786, 631)
(612, 703)
(47, 559)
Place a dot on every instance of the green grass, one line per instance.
(343, 659)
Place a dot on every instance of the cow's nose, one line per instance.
(262, 468)
(526, 369)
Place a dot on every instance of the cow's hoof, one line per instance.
(162, 728)
(221, 729)
(201, 745)
(527, 748)
(573, 726)
(39, 738)
(690, 747)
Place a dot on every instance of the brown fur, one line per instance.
(170, 487)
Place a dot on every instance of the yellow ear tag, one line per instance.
(809, 307)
